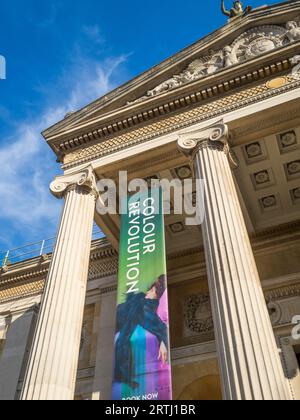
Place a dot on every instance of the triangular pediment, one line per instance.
(241, 40)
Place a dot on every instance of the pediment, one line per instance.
(251, 44)
(261, 32)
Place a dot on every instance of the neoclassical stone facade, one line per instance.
(225, 110)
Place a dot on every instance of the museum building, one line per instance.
(226, 110)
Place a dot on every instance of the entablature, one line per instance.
(206, 98)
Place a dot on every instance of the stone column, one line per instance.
(248, 355)
(52, 367)
(13, 357)
(105, 346)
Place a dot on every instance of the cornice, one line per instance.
(15, 278)
(193, 115)
(263, 124)
(102, 250)
(30, 275)
(208, 92)
(276, 14)
(286, 229)
(108, 290)
(99, 254)
(21, 291)
(283, 292)
(185, 253)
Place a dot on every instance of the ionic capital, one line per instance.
(214, 137)
(84, 181)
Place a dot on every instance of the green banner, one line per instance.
(142, 368)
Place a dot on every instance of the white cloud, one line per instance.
(93, 32)
(28, 165)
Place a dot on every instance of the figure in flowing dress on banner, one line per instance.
(141, 344)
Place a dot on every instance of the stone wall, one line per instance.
(195, 367)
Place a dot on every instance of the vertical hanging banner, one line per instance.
(142, 369)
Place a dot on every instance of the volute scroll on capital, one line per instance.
(84, 180)
(214, 137)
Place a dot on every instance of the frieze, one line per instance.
(23, 290)
(283, 293)
(176, 122)
(13, 278)
(263, 124)
(283, 303)
(207, 92)
(103, 253)
(103, 268)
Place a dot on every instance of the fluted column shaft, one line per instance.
(52, 368)
(248, 355)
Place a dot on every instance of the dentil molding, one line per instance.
(112, 143)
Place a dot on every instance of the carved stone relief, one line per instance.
(282, 311)
(251, 44)
(282, 304)
(197, 315)
(275, 312)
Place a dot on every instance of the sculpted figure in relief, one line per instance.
(172, 83)
(201, 67)
(230, 57)
(293, 31)
(196, 70)
(249, 45)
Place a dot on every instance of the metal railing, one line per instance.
(36, 249)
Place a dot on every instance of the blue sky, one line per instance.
(61, 55)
